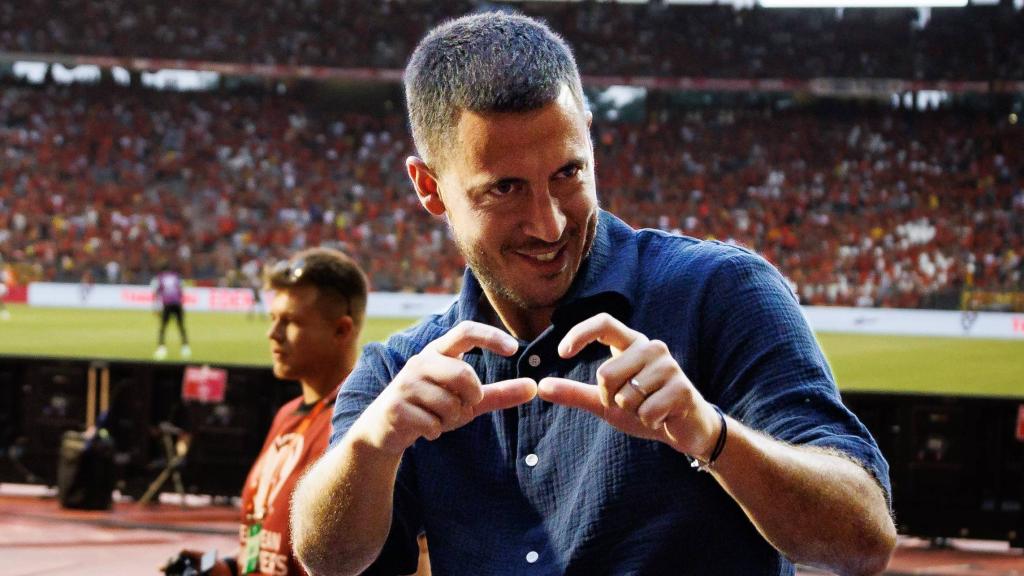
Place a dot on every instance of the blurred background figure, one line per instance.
(316, 316)
(252, 277)
(5, 280)
(170, 292)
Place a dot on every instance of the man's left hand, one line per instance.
(641, 390)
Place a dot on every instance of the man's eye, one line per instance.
(505, 188)
(569, 171)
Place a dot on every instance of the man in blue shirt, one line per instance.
(559, 418)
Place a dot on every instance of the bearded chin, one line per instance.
(489, 278)
(487, 273)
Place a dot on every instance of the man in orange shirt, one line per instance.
(316, 316)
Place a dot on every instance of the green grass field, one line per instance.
(958, 366)
(860, 362)
(220, 338)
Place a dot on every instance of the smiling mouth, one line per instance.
(546, 257)
(543, 253)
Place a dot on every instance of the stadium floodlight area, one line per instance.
(804, 3)
(811, 3)
(181, 80)
(863, 3)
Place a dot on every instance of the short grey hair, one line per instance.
(486, 62)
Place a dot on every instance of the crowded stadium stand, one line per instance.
(971, 43)
(876, 157)
(858, 204)
(129, 176)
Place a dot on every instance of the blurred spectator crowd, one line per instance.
(111, 183)
(715, 41)
(857, 205)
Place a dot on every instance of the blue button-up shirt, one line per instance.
(546, 489)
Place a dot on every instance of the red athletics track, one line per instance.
(37, 537)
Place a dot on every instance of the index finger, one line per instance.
(468, 335)
(603, 328)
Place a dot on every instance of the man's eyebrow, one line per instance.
(578, 162)
(481, 187)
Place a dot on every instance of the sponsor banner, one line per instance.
(17, 294)
(916, 322)
(403, 305)
(204, 299)
(204, 384)
(122, 296)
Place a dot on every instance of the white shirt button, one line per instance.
(534, 360)
(531, 460)
(532, 556)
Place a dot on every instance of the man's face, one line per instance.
(518, 190)
(304, 340)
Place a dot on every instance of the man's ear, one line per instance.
(344, 327)
(425, 183)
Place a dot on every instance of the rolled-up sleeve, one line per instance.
(767, 369)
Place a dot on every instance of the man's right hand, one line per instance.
(437, 391)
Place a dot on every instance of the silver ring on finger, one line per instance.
(635, 385)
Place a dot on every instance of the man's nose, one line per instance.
(544, 218)
(272, 332)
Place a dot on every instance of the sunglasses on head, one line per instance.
(291, 272)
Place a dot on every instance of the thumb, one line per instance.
(571, 393)
(505, 394)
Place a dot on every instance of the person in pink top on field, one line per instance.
(170, 293)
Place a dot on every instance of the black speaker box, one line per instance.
(85, 471)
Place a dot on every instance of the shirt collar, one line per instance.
(605, 282)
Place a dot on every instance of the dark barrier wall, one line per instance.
(957, 465)
(40, 399)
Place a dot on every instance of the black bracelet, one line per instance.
(723, 433)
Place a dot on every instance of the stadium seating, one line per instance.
(972, 43)
(858, 205)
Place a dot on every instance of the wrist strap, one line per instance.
(723, 433)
